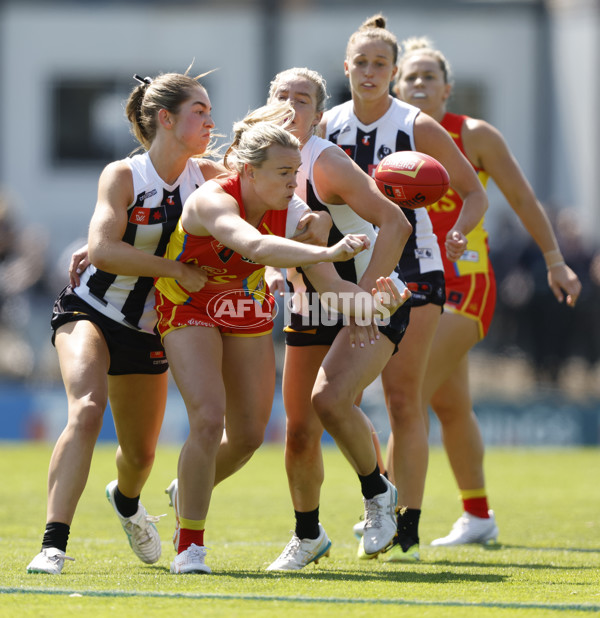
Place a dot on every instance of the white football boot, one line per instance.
(380, 525)
(190, 561)
(141, 532)
(50, 560)
(469, 528)
(300, 552)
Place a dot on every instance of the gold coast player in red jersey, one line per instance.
(424, 81)
(224, 370)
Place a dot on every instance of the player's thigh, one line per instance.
(195, 356)
(138, 405)
(453, 339)
(406, 370)
(347, 371)
(249, 377)
(84, 361)
(300, 370)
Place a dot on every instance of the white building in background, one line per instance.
(529, 67)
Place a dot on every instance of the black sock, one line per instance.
(307, 524)
(56, 535)
(127, 507)
(408, 528)
(372, 484)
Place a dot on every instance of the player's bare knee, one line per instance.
(207, 428)
(247, 443)
(300, 439)
(139, 459)
(329, 405)
(87, 418)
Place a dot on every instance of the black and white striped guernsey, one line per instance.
(367, 145)
(152, 217)
(345, 221)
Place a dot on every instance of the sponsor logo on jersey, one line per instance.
(419, 287)
(144, 196)
(148, 216)
(455, 297)
(349, 150)
(224, 253)
(212, 271)
(423, 253)
(469, 256)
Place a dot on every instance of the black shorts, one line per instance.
(325, 334)
(430, 288)
(131, 351)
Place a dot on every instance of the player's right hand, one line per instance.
(79, 262)
(192, 278)
(388, 296)
(348, 247)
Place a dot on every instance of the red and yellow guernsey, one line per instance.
(444, 213)
(226, 269)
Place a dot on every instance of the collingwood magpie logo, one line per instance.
(383, 152)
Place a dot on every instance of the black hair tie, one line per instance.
(143, 80)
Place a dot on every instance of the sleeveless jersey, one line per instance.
(226, 269)
(345, 221)
(445, 212)
(152, 217)
(367, 145)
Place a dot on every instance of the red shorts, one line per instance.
(473, 296)
(236, 315)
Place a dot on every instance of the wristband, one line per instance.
(553, 258)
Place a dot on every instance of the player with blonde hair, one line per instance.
(222, 359)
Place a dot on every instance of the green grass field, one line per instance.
(547, 562)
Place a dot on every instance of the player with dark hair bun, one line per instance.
(104, 320)
(368, 128)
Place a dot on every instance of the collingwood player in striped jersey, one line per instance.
(319, 358)
(370, 126)
(103, 327)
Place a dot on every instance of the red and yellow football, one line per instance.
(411, 179)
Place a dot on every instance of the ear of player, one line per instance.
(411, 179)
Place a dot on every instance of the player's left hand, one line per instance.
(562, 280)
(360, 336)
(275, 280)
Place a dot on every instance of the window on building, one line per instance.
(88, 121)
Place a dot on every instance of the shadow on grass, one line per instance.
(367, 577)
(581, 550)
(511, 565)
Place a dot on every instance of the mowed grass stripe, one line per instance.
(291, 599)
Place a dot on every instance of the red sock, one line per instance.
(477, 506)
(187, 537)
